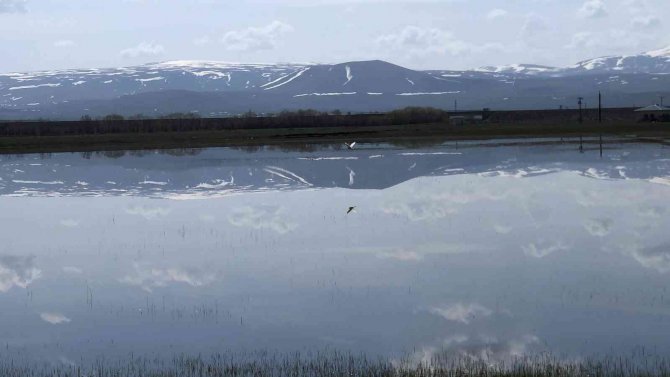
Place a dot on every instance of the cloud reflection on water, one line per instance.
(428, 261)
(17, 271)
(262, 217)
(54, 318)
(149, 278)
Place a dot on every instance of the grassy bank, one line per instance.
(338, 364)
(281, 136)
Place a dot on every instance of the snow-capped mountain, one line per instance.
(526, 69)
(657, 61)
(375, 77)
(217, 88)
(33, 92)
(53, 87)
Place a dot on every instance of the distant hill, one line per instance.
(650, 62)
(223, 89)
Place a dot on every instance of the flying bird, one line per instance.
(350, 146)
(350, 210)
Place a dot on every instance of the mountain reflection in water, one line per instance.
(502, 251)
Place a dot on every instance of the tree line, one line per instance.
(189, 122)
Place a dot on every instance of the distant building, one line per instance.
(469, 117)
(465, 119)
(655, 113)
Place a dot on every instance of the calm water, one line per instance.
(504, 251)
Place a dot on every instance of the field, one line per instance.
(288, 136)
(406, 125)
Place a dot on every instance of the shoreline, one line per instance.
(415, 133)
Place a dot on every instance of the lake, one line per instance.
(480, 249)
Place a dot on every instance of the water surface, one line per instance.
(487, 251)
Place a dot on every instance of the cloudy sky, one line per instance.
(420, 34)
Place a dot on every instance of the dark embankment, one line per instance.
(115, 132)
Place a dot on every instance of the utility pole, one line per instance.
(580, 102)
(600, 121)
(600, 107)
(581, 119)
(661, 97)
(455, 105)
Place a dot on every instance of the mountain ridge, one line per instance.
(373, 85)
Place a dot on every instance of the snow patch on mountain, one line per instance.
(428, 93)
(325, 94)
(596, 63)
(143, 81)
(661, 53)
(530, 69)
(348, 75)
(34, 86)
(54, 89)
(205, 64)
(211, 74)
(287, 81)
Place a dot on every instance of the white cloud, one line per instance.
(54, 318)
(657, 258)
(262, 217)
(207, 218)
(422, 200)
(256, 38)
(13, 6)
(482, 348)
(143, 49)
(496, 14)
(599, 227)
(652, 257)
(592, 9)
(636, 5)
(148, 212)
(496, 350)
(201, 41)
(582, 40)
(502, 229)
(72, 270)
(401, 255)
(650, 211)
(69, 223)
(420, 209)
(415, 41)
(460, 312)
(419, 252)
(64, 43)
(542, 249)
(645, 22)
(609, 41)
(154, 277)
(534, 27)
(17, 271)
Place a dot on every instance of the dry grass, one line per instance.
(332, 364)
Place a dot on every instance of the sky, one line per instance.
(418, 34)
